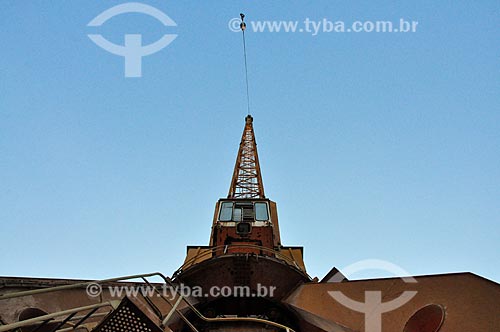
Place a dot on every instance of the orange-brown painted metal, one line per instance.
(247, 179)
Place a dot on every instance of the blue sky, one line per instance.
(373, 145)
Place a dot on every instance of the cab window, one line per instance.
(237, 214)
(261, 212)
(226, 211)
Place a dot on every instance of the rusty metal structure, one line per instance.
(270, 288)
(247, 178)
(245, 248)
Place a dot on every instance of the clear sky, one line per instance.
(373, 145)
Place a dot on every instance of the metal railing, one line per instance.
(209, 253)
(70, 313)
(44, 319)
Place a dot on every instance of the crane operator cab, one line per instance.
(244, 223)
